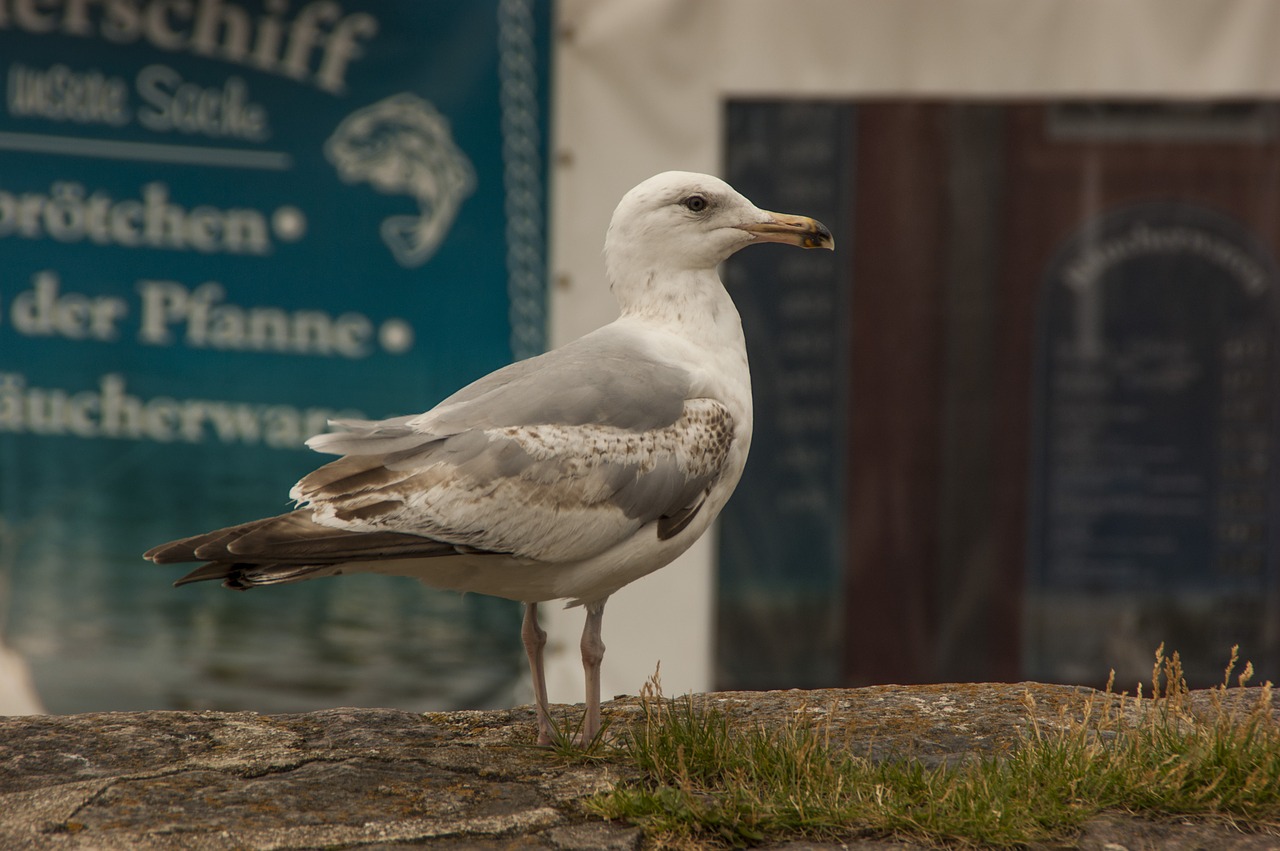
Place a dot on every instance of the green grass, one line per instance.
(710, 782)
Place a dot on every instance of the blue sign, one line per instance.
(221, 224)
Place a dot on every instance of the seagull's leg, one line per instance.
(592, 654)
(535, 639)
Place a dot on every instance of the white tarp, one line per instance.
(640, 87)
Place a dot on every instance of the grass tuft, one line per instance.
(568, 746)
(707, 781)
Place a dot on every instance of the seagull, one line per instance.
(562, 477)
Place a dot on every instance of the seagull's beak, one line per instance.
(793, 230)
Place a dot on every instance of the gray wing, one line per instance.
(556, 458)
(598, 379)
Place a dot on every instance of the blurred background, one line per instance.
(1019, 426)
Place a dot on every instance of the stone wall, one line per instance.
(375, 778)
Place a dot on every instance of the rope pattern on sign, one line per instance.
(522, 177)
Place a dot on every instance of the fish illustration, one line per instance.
(402, 145)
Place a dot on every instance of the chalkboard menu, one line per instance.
(781, 536)
(1155, 445)
(221, 223)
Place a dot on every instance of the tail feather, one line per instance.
(184, 549)
(352, 474)
(242, 577)
(290, 548)
(368, 437)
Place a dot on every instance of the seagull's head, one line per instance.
(682, 221)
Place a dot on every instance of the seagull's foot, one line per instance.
(592, 735)
(568, 736)
(597, 739)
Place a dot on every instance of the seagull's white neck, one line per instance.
(694, 299)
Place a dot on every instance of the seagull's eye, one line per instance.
(696, 203)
